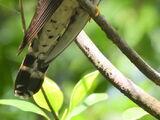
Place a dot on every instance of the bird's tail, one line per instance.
(30, 76)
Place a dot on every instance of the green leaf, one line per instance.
(148, 117)
(24, 106)
(89, 101)
(136, 113)
(54, 94)
(82, 89)
(64, 115)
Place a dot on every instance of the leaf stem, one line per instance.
(49, 104)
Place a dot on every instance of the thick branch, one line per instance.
(120, 43)
(126, 86)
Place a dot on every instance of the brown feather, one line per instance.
(44, 11)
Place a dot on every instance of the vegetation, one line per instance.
(138, 22)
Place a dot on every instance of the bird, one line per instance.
(55, 24)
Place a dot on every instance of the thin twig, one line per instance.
(120, 43)
(49, 104)
(126, 86)
(22, 16)
(43, 91)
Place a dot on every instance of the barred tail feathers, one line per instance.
(29, 79)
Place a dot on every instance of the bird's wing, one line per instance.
(75, 26)
(44, 11)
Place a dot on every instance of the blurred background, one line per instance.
(137, 21)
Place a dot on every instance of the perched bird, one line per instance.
(54, 26)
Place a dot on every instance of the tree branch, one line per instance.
(22, 16)
(126, 86)
(120, 43)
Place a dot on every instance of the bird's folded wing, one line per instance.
(44, 11)
(73, 29)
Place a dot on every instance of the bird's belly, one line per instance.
(55, 27)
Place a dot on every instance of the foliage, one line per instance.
(23, 105)
(55, 97)
(137, 114)
(138, 23)
(53, 93)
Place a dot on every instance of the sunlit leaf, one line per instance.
(89, 101)
(136, 113)
(53, 93)
(64, 115)
(147, 117)
(82, 89)
(24, 106)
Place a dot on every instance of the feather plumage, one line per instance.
(44, 11)
(54, 26)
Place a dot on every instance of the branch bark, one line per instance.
(126, 86)
(133, 56)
